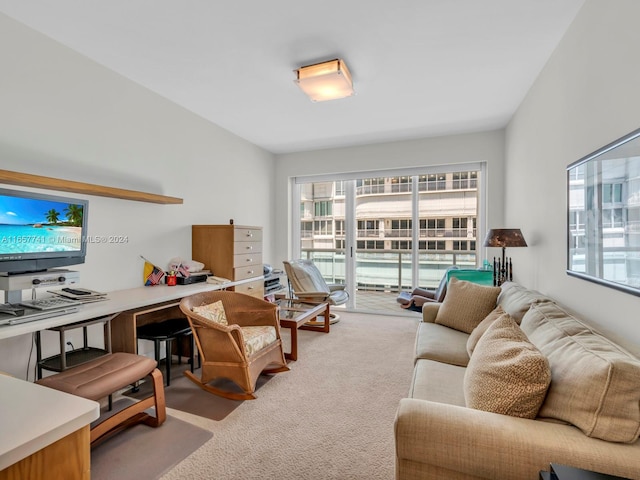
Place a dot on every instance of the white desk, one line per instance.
(118, 301)
(32, 418)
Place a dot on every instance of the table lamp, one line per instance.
(503, 237)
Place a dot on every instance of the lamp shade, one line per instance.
(325, 81)
(504, 237)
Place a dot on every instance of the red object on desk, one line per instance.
(171, 280)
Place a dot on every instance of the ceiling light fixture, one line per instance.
(325, 81)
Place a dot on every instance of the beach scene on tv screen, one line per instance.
(29, 225)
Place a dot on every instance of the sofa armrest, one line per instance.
(429, 311)
(439, 437)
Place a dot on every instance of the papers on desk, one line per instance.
(83, 295)
(218, 280)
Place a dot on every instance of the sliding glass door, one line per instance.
(386, 233)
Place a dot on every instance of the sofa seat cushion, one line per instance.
(442, 344)
(594, 382)
(507, 374)
(516, 300)
(438, 382)
(466, 305)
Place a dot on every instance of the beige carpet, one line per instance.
(330, 417)
(188, 397)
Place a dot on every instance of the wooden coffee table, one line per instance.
(297, 315)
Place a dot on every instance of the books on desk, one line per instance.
(83, 295)
(31, 315)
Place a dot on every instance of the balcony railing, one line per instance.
(388, 270)
(462, 233)
(368, 233)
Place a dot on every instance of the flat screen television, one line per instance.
(39, 232)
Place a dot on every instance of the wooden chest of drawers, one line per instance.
(230, 251)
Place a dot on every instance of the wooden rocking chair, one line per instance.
(248, 345)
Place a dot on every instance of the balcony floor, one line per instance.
(380, 302)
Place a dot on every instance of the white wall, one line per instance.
(64, 116)
(586, 96)
(476, 147)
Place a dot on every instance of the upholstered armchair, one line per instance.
(238, 338)
(308, 284)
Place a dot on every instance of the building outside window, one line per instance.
(464, 180)
(437, 245)
(401, 228)
(323, 227)
(368, 228)
(400, 184)
(434, 181)
(323, 209)
(383, 212)
(370, 244)
(370, 186)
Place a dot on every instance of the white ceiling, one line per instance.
(420, 67)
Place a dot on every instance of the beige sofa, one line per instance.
(589, 417)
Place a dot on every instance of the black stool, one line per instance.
(167, 331)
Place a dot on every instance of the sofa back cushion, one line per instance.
(595, 384)
(466, 305)
(506, 373)
(516, 299)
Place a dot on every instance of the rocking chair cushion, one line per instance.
(256, 338)
(214, 312)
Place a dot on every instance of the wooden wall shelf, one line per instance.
(38, 181)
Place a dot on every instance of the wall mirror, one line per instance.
(603, 197)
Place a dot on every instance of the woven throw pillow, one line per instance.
(213, 311)
(477, 332)
(507, 374)
(466, 305)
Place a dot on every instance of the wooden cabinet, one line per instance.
(124, 337)
(230, 251)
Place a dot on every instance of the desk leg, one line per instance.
(63, 351)
(107, 335)
(38, 355)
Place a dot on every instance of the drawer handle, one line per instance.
(249, 234)
(249, 247)
(250, 272)
(249, 259)
(250, 288)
